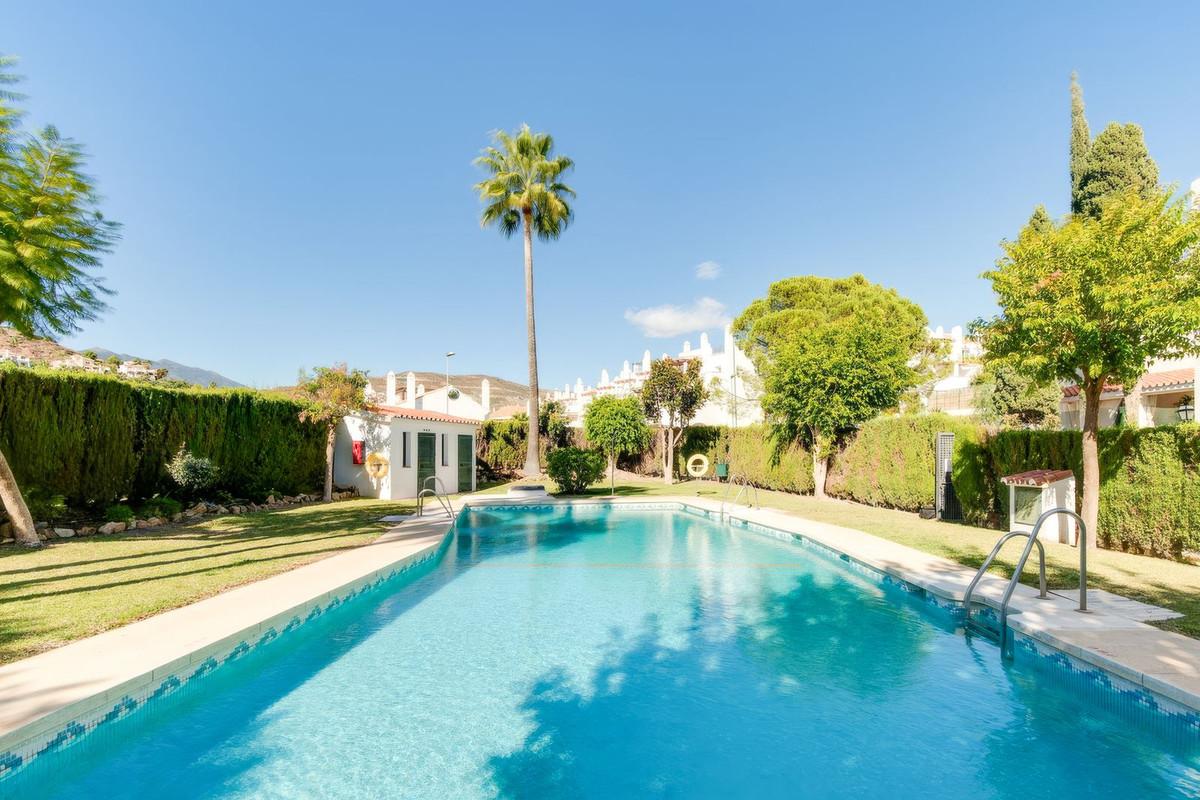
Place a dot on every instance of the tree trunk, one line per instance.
(668, 456)
(14, 504)
(1092, 389)
(533, 463)
(612, 474)
(820, 465)
(330, 438)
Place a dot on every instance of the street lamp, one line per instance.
(1186, 409)
(449, 355)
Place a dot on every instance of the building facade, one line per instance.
(1165, 395)
(444, 399)
(392, 453)
(728, 374)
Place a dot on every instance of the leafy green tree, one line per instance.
(1007, 396)
(329, 395)
(524, 190)
(672, 394)
(52, 239)
(834, 352)
(1116, 161)
(617, 426)
(1093, 300)
(1081, 140)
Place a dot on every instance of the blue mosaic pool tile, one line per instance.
(205, 667)
(70, 733)
(9, 762)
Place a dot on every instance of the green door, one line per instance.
(426, 460)
(466, 461)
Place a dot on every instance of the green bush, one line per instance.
(118, 512)
(164, 507)
(44, 506)
(890, 461)
(574, 469)
(1149, 481)
(95, 439)
(191, 473)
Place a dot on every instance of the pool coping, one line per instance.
(1164, 663)
(44, 705)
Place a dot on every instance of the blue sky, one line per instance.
(295, 181)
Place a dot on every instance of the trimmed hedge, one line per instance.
(889, 462)
(1149, 481)
(95, 439)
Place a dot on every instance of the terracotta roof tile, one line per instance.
(1036, 477)
(1152, 380)
(422, 414)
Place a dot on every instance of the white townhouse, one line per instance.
(391, 452)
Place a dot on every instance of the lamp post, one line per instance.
(449, 355)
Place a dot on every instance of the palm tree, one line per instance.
(523, 190)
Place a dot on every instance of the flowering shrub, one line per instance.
(192, 473)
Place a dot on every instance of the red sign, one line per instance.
(358, 449)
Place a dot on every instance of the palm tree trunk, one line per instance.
(669, 454)
(330, 438)
(14, 504)
(533, 464)
(1092, 389)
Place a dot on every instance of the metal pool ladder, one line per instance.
(748, 489)
(435, 488)
(973, 623)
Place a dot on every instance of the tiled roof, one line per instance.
(1037, 477)
(422, 414)
(1154, 380)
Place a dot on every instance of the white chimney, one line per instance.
(646, 361)
(705, 345)
(390, 396)
(625, 373)
(410, 389)
(604, 381)
(485, 399)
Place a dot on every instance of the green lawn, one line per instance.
(1164, 583)
(71, 589)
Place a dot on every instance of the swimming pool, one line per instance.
(589, 651)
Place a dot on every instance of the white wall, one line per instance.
(384, 435)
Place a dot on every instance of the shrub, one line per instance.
(164, 507)
(890, 461)
(192, 473)
(119, 512)
(44, 506)
(1149, 481)
(95, 439)
(574, 469)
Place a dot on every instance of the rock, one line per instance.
(177, 517)
(152, 522)
(222, 510)
(86, 530)
(196, 510)
(41, 526)
(64, 533)
(111, 527)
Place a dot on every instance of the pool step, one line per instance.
(978, 624)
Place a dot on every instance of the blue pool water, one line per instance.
(587, 653)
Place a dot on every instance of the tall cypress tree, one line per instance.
(1116, 162)
(1081, 138)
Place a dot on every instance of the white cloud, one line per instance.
(667, 321)
(708, 271)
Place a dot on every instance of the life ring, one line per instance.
(377, 466)
(697, 465)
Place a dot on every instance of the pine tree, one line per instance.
(1081, 138)
(1039, 220)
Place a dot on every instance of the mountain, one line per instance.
(182, 372)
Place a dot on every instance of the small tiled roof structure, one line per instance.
(1037, 477)
(421, 414)
(508, 411)
(1181, 378)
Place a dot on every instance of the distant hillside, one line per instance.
(36, 350)
(182, 372)
(504, 393)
